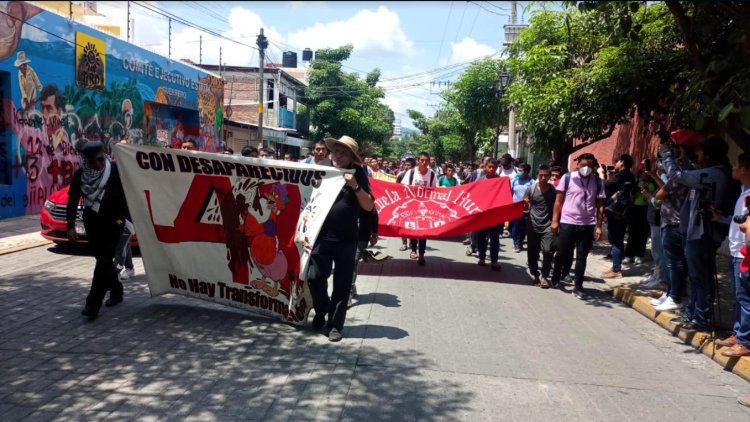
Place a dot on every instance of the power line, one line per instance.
(460, 22)
(445, 31)
(489, 10)
(164, 13)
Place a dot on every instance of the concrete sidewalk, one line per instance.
(19, 233)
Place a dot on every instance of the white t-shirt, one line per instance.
(511, 172)
(736, 238)
(416, 178)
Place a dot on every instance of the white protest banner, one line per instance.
(226, 228)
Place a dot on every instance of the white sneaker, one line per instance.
(638, 260)
(626, 261)
(658, 301)
(668, 305)
(126, 274)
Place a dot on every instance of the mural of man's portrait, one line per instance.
(53, 103)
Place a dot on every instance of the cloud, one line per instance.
(33, 34)
(370, 32)
(151, 32)
(468, 49)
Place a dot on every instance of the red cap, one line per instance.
(686, 137)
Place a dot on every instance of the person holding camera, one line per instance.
(682, 144)
(619, 190)
(700, 226)
(738, 344)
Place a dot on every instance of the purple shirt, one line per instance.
(579, 207)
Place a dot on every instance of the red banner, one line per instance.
(418, 212)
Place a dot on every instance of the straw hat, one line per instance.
(21, 59)
(348, 142)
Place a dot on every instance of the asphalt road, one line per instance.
(448, 341)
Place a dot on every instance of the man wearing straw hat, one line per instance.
(336, 245)
(28, 81)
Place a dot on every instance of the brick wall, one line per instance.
(628, 138)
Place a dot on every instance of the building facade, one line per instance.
(62, 83)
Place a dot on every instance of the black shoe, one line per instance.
(113, 300)
(319, 321)
(90, 313)
(569, 279)
(695, 326)
(579, 294)
(679, 320)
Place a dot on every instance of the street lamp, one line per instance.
(503, 79)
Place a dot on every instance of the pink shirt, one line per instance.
(579, 207)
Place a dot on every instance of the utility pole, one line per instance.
(200, 50)
(262, 43)
(220, 75)
(512, 115)
(170, 38)
(128, 20)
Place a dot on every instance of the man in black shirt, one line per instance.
(104, 215)
(620, 187)
(337, 241)
(540, 200)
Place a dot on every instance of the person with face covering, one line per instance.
(577, 219)
(104, 214)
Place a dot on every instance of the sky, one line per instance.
(414, 44)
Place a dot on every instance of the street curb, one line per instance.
(700, 340)
(24, 247)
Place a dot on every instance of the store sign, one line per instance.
(271, 135)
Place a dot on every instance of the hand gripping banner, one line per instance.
(225, 228)
(417, 212)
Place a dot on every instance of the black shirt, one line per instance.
(341, 224)
(617, 182)
(541, 205)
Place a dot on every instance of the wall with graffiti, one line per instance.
(63, 83)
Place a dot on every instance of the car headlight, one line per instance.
(49, 205)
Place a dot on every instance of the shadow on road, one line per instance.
(384, 299)
(173, 357)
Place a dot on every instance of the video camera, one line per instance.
(739, 219)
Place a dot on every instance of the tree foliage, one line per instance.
(581, 71)
(343, 104)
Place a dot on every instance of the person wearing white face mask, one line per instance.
(577, 219)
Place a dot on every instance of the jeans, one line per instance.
(570, 238)
(657, 251)
(422, 243)
(638, 229)
(539, 242)
(325, 255)
(494, 235)
(674, 262)
(701, 265)
(518, 230)
(742, 330)
(616, 235)
(361, 248)
(124, 253)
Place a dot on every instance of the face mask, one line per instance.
(584, 171)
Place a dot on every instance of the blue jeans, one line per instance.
(657, 252)
(494, 234)
(616, 235)
(699, 254)
(674, 261)
(743, 306)
(518, 230)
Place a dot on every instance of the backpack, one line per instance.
(411, 176)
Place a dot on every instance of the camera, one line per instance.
(739, 219)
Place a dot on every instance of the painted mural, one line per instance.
(62, 82)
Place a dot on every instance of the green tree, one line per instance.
(474, 98)
(343, 104)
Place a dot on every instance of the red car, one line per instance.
(54, 223)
